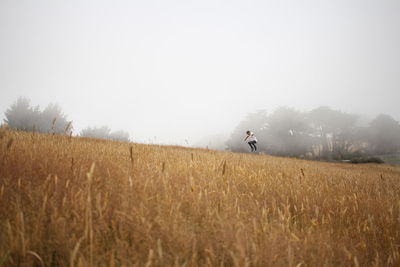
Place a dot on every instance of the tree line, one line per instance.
(22, 116)
(322, 133)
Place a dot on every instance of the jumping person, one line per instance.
(252, 140)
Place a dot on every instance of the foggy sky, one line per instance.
(170, 71)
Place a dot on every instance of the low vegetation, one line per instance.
(367, 160)
(69, 201)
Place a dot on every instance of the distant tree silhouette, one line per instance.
(336, 130)
(384, 135)
(120, 136)
(104, 132)
(53, 120)
(322, 133)
(287, 132)
(21, 116)
(96, 132)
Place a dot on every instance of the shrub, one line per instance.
(367, 160)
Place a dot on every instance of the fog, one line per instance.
(173, 72)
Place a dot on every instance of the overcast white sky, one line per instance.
(179, 70)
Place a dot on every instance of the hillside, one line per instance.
(68, 201)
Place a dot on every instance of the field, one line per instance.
(67, 201)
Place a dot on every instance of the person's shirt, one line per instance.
(252, 137)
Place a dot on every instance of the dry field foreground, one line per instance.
(81, 202)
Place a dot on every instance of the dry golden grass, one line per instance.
(80, 202)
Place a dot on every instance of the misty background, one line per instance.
(175, 72)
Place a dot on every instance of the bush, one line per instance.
(104, 132)
(367, 160)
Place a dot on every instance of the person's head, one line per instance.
(248, 132)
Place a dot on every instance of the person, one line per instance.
(252, 140)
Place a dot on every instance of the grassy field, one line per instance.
(82, 202)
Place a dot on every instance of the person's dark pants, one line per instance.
(253, 145)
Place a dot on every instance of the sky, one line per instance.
(172, 72)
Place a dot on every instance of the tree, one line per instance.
(52, 120)
(335, 130)
(384, 135)
(120, 136)
(104, 132)
(287, 133)
(21, 116)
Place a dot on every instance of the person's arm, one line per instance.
(246, 137)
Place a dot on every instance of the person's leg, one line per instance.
(251, 146)
(255, 145)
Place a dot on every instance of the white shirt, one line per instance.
(252, 137)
